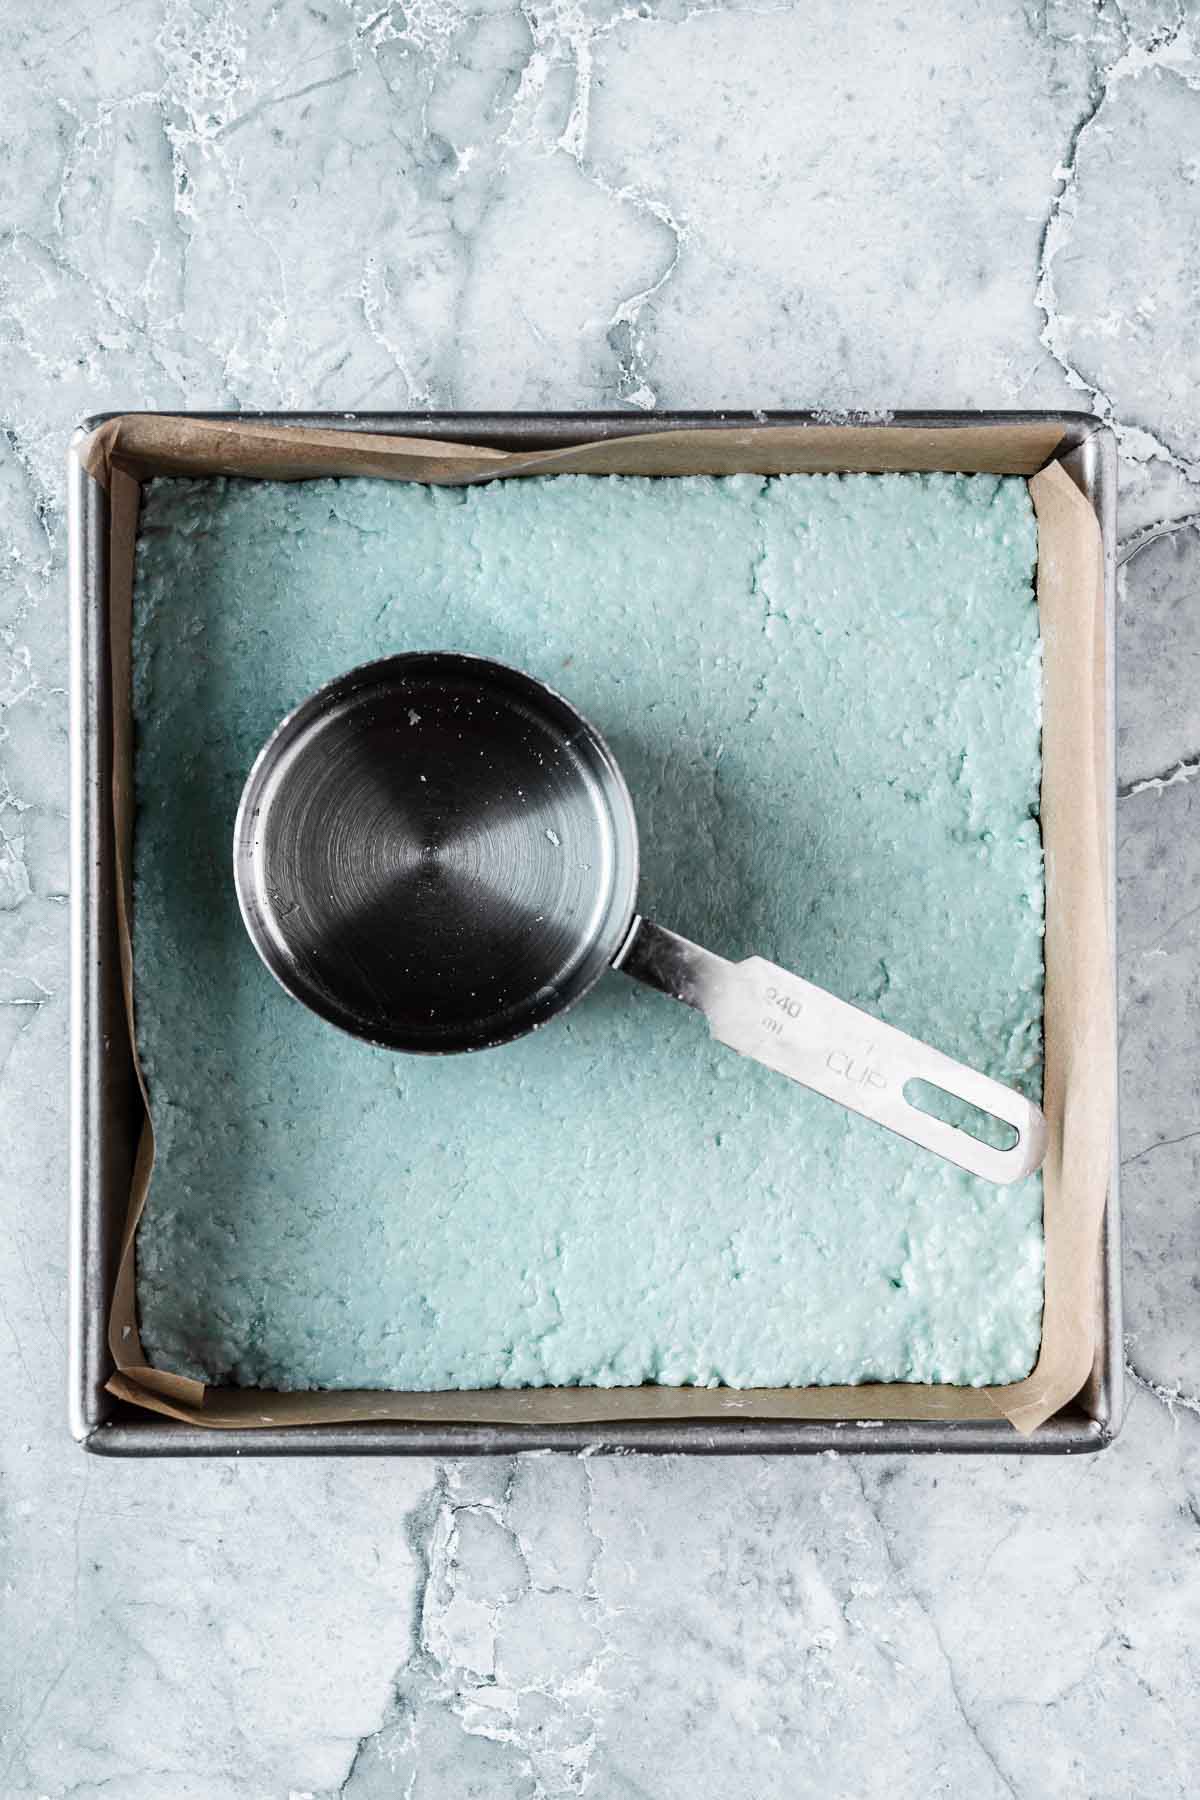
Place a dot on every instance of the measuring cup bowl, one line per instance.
(436, 853)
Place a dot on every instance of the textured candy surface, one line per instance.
(825, 694)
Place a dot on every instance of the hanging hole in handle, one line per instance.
(985, 1127)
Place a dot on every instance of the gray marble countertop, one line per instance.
(572, 203)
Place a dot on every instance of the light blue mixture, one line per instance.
(825, 693)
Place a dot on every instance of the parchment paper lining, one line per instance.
(1080, 1083)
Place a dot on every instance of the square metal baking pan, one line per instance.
(106, 1108)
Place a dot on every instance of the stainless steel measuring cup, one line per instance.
(438, 853)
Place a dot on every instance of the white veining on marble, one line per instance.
(585, 203)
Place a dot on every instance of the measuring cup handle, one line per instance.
(799, 1030)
